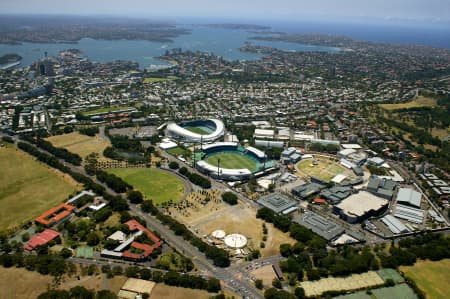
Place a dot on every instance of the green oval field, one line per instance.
(155, 184)
(231, 161)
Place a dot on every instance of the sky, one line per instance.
(434, 11)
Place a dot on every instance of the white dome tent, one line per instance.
(235, 241)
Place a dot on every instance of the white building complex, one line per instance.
(213, 128)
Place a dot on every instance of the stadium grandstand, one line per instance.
(196, 131)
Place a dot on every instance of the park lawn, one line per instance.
(28, 187)
(161, 79)
(325, 170)
(80, 144)
(197, 130)
(106, 109)
(431, 277)
(232, 161)
(155, 184)
(18, 283)
(178, 151)
(419, 102)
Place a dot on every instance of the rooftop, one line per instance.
(55, 214)
(277, 202)
(361, 203)
(320, 225)
(41, 239)
(409, 196)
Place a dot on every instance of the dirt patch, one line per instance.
(162, 291)
(204, 212)
(266, 274)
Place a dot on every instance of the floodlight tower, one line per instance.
(218, 168)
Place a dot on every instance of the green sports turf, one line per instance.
(85, 252)
(402, 291)
(232, 161)
(390, 274)
(197, 130)
(155, 184)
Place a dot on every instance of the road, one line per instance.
(232, 277)
(229, 276)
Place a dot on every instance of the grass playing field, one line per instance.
(431, 277)
(325, 170)
(107, 109)
(197, 130)
(28, 187)
(419, 102)
(155, 184)
(231, 161)
(80, 144)
(155, 80)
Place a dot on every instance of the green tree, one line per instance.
(259, 284)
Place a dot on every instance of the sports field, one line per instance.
(399, 291)
(419, 102)
(107, 109)
(325, 169)
(80, 144)
(155, 184)
(352, 282)
(197, 130)
(431, 277)
(28, 187)
(231, 161)
(159, 79)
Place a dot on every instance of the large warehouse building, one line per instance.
(197, 131)
(360, 206)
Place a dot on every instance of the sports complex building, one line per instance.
(232, 162)
(196, 131)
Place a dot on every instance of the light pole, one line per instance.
(218, 168)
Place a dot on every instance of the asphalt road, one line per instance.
(232, 278)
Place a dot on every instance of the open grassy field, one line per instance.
(155, 184)
(18, 283)
(419, 102)
(352, 282)
(28, 187)
(431, 277)
(162, 291)
(325, 170)
(106, 109)
(398, 291)
(197, 130)
(80, 144)
(155, 80)
(231, 160)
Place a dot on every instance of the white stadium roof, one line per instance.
(175, 129)
(223, 171)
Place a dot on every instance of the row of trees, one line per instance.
(219, 256)
(89, 131)
(80, 292)
(113, 181)
(195, 178)
(434, 247)
(54, 162)
(60, 153)
(230, 198)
